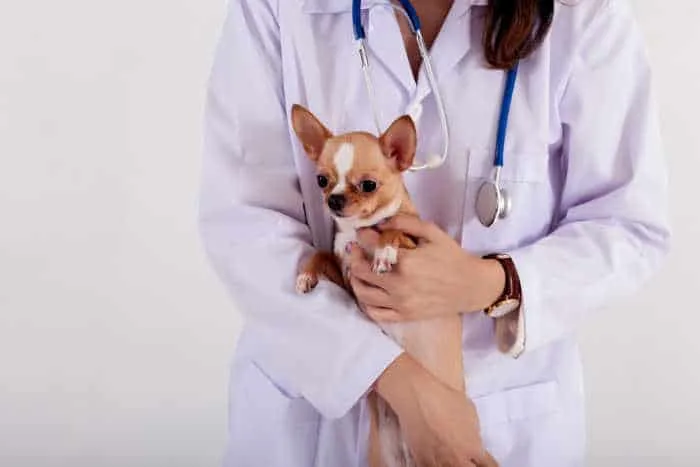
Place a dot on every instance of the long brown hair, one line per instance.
(514, 29)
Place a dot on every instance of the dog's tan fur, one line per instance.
(436, 344)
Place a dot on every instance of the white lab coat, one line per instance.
(583, 164)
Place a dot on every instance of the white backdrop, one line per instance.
(114, 334)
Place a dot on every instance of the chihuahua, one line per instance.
(361, 179)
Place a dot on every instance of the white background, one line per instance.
(114, 334)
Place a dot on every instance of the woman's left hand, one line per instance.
(436, 279)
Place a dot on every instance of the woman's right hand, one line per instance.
(440, 424)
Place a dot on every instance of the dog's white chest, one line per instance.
(340, 246)
(347, 229)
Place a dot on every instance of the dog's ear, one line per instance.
(398, 142)
(310, 131)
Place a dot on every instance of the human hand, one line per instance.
(437, 278)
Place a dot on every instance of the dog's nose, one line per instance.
(336, 202)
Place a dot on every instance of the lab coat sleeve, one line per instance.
(253, 227)
(612, 228)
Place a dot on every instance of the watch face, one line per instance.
(503, 308)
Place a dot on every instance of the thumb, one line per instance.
(414, 227)
(355, 252)
(487, 461)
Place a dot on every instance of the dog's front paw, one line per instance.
(384, 259)
(306, 282)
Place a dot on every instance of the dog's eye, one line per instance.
(368, 186)
(322, 181)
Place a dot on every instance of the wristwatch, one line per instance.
(511, 297)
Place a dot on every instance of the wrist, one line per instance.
(493, 284)
(488, 281)
(511, 297)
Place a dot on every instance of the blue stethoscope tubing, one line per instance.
(409, 11)
(492, 202)
(511, 78)
(407, 6)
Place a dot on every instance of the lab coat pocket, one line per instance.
(525, 178)
(517, 404)
(268, 426)
(531, 426)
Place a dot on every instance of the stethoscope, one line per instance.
(492, 201)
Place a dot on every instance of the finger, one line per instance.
(414, 227)
(487, 461)
(368, 238)
(382, 315)
(357, 261)
(369, 295)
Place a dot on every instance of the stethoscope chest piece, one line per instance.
(492, 203)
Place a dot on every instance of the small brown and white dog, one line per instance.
(362, 183)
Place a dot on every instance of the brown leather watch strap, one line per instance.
(512, 289)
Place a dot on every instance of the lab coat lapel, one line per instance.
(450, 47)
(388, 62)
(386, 47)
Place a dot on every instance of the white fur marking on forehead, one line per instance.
(343, 160)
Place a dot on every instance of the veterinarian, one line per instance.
(583, 170)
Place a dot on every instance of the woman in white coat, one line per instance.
(583, 165)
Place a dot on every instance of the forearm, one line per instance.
(318, 345)
(254, 228)
(579, 268)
